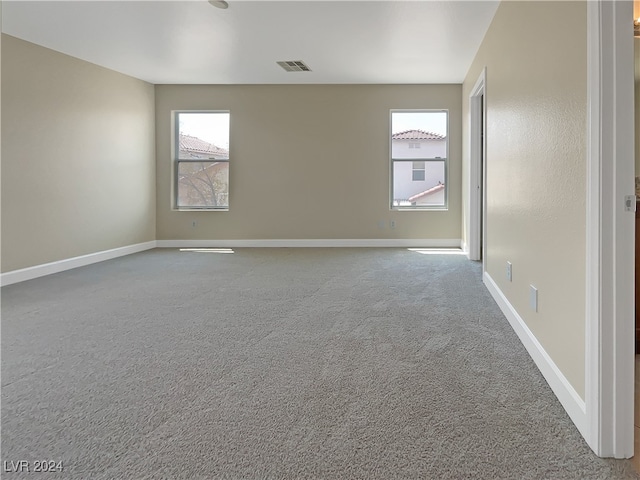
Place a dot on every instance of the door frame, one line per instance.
(477, 170)
(609, 332)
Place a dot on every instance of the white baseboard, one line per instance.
(325, 242)
(569, 398)
(36, 271)
(30, 273)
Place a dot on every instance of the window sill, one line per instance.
(226, 209)
(419, 209)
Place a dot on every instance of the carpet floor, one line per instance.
(277, 364)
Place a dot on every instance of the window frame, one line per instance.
(414, 170)
(393, 161)
(176, 160)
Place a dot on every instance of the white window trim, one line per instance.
(414, 208)
(175, 161)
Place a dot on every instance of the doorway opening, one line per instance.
(477, 171)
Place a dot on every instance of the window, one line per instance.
(201, 154)
(419, 148)
(418, 171)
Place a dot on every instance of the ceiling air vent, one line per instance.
(294, 66)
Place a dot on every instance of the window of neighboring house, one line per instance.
(419, 178)
(418, 172)
(201, 155)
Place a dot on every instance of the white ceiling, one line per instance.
(192, 42)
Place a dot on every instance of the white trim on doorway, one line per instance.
(477, 152)
(610, 230)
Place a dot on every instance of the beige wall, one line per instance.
(78, 164)
(307, 162)
(535, 54)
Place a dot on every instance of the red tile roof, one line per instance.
(417, 135)
(195, 145)
(432, 190)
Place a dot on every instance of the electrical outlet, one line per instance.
(194, 224)
(509, 271)
(392, 224)
(533, 298)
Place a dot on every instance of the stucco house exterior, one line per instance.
(419, 176)
(203, 183)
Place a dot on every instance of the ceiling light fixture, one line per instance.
(219, 3)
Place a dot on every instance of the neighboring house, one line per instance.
(206, 183)
(193, 147)
(432, 196)
(421, 181)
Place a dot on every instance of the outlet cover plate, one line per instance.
(533, 298)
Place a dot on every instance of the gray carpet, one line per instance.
(278, 363)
